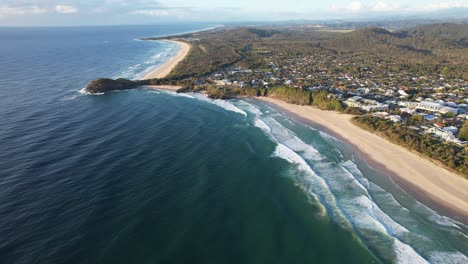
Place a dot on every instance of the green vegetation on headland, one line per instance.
(105, 85)
(452, 157)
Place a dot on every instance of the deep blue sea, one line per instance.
(146, 176)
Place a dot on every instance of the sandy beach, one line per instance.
(167, 67)
(443, 190)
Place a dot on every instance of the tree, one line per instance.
(463, 134)
(417, 119)
(259, 92)
(449, 115)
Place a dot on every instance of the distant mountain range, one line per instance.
(449, 31)
(393, 21)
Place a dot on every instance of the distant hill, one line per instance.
(428, 49)
(449, 31)
(439, 41)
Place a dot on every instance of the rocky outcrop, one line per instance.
(106, 85)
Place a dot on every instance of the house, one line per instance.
(430, 117)
(452, 129)
(223, 82)
(429, 106)
(402, 93)
(381, 114)
(366, 104)
(409, 111)
(445, 135)
(395, 118)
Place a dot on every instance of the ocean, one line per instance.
(147, 176)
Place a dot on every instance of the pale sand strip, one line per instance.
(173, 88)
(167, 67)
(448, 190)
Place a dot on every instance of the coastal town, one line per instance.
(408, 86)
(432, 105)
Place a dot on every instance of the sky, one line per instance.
(118, 12)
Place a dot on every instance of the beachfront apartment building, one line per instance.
(429, 106)
(446, 135)
(366, 104)
(385, 115)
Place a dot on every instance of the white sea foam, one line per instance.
(448, 257)
(329, 137)
(363, 213)
(439, 219)
(406, 255)
(289, 138)
(83, 91)
(356, 201)
(289, 155)
(357, 205)
(263, 126)
(229, 106)
(399, 216)
(71, 97)
(434, 216)
(249, 107)
(226, 105)
(186, 95)
(315, 186)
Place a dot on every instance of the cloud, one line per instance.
(6, 11)
(354, 6)
(444, 5)
(153, 12)
(66, 9)
(385, 7)
(360, 7)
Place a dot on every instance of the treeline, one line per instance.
(451, 156)
(176, 81)
(224, 93)
(320, 99)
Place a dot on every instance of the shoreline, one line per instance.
(172, 88)
(434, 186)
(165, 69)
(439, 188)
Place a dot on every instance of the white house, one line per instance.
(395, 118)
(429, 106)
(366, 104)
(402, 93)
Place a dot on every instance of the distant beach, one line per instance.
(167, 67)
(436, 185)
